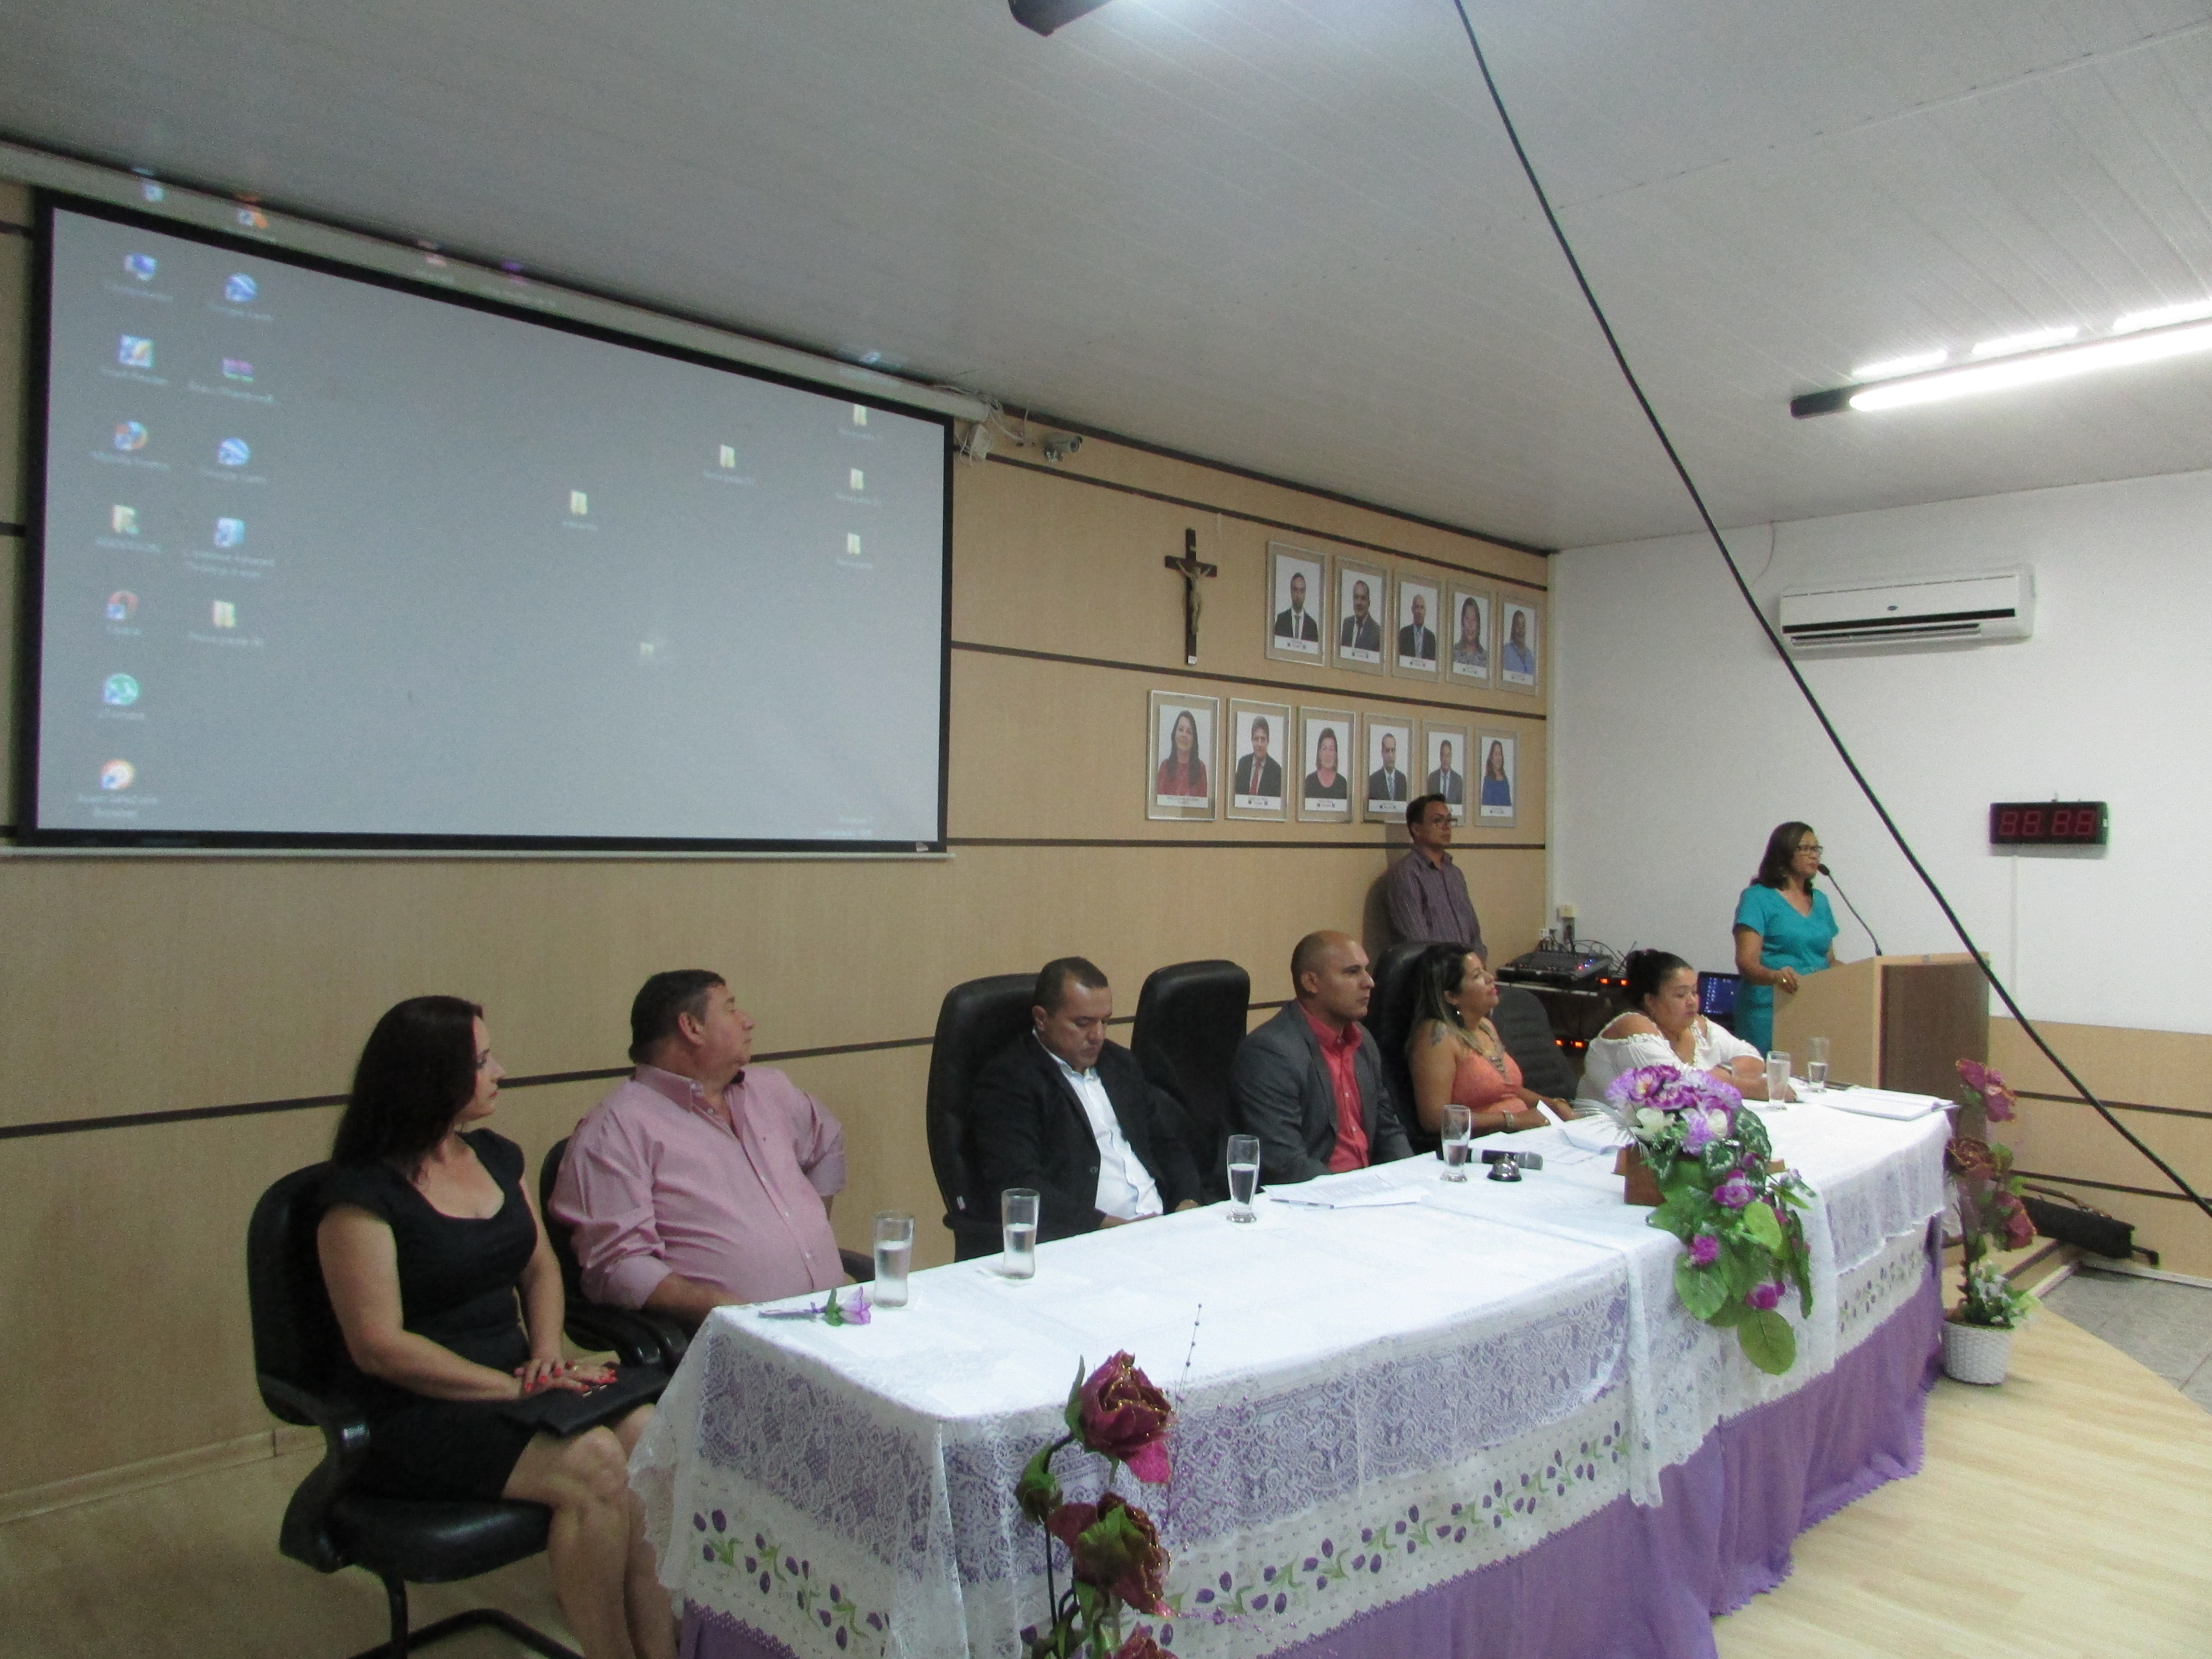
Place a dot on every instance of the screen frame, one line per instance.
(2102, 808)
(28, 832)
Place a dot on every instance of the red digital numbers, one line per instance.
(2008, 823)
(2031, 823)
(2027, 824)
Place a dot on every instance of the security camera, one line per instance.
(1060, 448)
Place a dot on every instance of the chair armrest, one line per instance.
(859, 1266)
(635, 1339)
(305, 1534)
(675, 1336)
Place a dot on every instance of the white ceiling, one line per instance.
(1283, 234)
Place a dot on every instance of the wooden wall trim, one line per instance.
(2102, 1186)
(2117, 1105)
(1049, 471)
(1247, 845)
(26, 1501)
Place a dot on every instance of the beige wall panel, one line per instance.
(15, 203)
(2152, 1068)
(1045, 563)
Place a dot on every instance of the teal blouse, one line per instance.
(1786, 939)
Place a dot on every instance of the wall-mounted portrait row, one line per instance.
(1343, 612)
(1319, 765)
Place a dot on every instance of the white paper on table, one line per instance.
(1359, 1189)
(1880, 1103)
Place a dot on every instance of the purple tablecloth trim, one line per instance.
(1631, 1582)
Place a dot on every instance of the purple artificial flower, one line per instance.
(1733, 1193)
(1705, 1249)
(1763, 1297)
(1705, 1125)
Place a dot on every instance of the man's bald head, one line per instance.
(1329, 971)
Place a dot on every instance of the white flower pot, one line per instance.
(1976, 1354)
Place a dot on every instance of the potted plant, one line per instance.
(1977, 1333)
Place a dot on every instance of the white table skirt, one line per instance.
(1369, 1402)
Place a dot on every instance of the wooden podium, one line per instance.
(1894, 1022)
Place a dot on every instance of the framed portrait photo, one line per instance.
(1520, 645)
(1496, 781)
(1363, 597)
(1325, 754)
(1297, 606)
(1262, 748)
(1417, 615)
(1443, 764)
(1466, 630)
(1181, 760)
(1386, 778)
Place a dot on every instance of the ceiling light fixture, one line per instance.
(2034, 341)
(1889, 367)
(2188, 311)
(1046, 15)
(2026, 368)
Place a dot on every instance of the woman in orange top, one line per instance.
(1456, 1056)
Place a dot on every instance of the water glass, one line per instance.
(1778, 1077)
(1816, 1066)
(1018, 1221)
(1243, 1176)
(1459, 1129)
(894, 1255)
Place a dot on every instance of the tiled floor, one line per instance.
(2164, 1325)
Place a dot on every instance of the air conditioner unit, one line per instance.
(1943, 610)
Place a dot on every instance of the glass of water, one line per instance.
(1017, 1220)
(1778, 1077)
(1459, 1127)
(1243, 1176)
(1816, 1066)
(894, 1255)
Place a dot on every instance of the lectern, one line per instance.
(1894, 1022)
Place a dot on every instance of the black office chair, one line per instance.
(1390, 1021)
(327, 1525)
(1526, 1031)
(976, 1020)
(638, 1336)
(1190, 1018)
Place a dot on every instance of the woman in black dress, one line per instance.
(428, 1238)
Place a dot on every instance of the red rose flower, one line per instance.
(1114, 1547)
(1142, 1646)
(1118, 1413)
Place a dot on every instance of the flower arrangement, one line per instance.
(1115, 1555)
(1991, 1216)
(1744, 1242)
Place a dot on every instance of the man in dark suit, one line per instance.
(1257, 774)
(1360, 632)
(1387, 782)
(1309, 1083)
(1297, 623)
(1072, 1116)
(1417, 639)
(1446, 783)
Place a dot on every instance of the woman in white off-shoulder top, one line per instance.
(1662, 1027)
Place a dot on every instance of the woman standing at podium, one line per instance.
(1783, 929)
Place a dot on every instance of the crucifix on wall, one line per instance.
(1190, 569)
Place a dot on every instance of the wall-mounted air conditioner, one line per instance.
(1944, 609)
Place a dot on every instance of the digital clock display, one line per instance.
(2047, 824)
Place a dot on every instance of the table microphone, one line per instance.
(1851, 907)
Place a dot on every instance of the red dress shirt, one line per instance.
(1337, 1048)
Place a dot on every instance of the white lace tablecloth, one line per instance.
(1370, 1401)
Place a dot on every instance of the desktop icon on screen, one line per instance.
(233, 451)
(133, 352)
(860, 413)
(151, 192)
(230, 533)
(860, 480)
(729, 457)
(253, 219)
(241, 288)
(117, 774)
(128, 435)
(851, 544)
(237, 368)
(120, 691)
(122, 520)
(122, 606)
(580, 504)
(142, 265)
(222, 613)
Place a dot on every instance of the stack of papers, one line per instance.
(1880, 1103)
(1364, 1189)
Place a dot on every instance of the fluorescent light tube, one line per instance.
(1891, 366)
(1967, 379)
(2189, 311)
(2033, 342)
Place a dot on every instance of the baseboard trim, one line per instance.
(27, 1501)
(2104, 1264)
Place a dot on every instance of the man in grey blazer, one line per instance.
(1309, 1083)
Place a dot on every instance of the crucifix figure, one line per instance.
(1190, 570)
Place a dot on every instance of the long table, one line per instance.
(1482, 1424)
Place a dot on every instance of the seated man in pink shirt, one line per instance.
(700, 1183)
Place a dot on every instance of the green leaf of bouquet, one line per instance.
(1740, 1267)
(1074, 1414)
(1768, 1342)
(1750, 1131)
(1716, 1157)
(1729, 1313)
(1758, 1221)
(1702, 1290)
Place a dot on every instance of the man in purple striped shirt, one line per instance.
(1427, 894)
(702, 1181)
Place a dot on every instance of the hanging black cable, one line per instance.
(1835, 738)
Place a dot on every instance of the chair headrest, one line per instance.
(295, 1335)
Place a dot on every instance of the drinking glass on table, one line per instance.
(1778, 1077)
(1816, 1066)
(1017, 1220)
(1243, 1176)
(894, 1255)
(1459, 1127)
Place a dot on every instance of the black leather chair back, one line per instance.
(558, 1233)
(1190, 1018)
(1390, 1021)
(295, 1335)
(1526, 1031)
(977, 1019)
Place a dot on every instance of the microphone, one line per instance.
(1851, 907)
